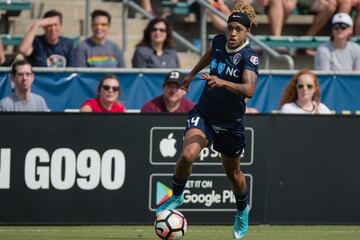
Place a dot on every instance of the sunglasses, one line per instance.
(163, 30)
(301, 86)
(341, 26)
(107, 88)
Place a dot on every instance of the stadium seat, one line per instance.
(15, 5)
(301, 42)
(182, 8)
(14, 40)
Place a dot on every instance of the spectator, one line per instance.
(302, 95)
(323, 10)
(277, 11)
(146, 4)
(347, 6)
(107, 100)
(173, 99)
(97, 51)
(49, 49)
(22, 99)
(339, 54)
(2, 52)
(156, 49)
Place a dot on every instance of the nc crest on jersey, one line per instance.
(236, 58)
(254, 60)
(220, 68)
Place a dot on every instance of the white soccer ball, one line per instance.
(170, 225)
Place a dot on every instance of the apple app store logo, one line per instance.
(165, 144)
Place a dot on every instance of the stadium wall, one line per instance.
(70, 168)
(68, 89)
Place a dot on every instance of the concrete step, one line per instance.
(76, 27)
(72, 8)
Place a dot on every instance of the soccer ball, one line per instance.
(170, 225)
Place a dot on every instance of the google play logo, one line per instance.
(163, 193)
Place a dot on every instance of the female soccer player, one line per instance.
(218, 118)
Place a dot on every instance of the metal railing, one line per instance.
(139, 9)
(269, 52)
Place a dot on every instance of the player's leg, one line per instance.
(194, 141)
(229, 140)
(238, 182)
(357, 19)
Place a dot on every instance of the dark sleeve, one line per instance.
(138, 60)
(218, 42)
(69, 56)
(251, 62)
(32, 58)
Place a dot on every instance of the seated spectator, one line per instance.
(302, 95)
(323, 10)
(2, 52)
(340, 53)
(173, 98)
(347, 6)
(97, 50)
(156, 49)
(22, 99)
(49, 49)
(107, 100)
(277, 11)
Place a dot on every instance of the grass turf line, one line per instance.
(195, 232)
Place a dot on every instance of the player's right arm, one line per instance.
(203, 62)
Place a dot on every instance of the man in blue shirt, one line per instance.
(49, 49)
(218, 118)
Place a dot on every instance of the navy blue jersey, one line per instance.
(219, 104)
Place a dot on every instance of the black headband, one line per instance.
(240, 18)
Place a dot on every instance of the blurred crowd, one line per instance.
(157, 49)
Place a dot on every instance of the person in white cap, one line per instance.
(347, 6)
(340, 53)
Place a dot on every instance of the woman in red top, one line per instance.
(107, 101)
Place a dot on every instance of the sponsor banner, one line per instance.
(166, 144)
(203, 192)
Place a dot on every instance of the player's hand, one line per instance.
(186, 82)
(212, 80)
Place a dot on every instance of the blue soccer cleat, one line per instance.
(172, 203)
(241, 223)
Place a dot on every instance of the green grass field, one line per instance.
(195, 232)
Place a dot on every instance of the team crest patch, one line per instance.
(254, 60)
(221, 68)
(213, 64)
(236, 58)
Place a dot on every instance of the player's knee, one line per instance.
(189, 155)
(289, 6)
(332, 8)
(234, 176)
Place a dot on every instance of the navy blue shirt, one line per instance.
(47, 55)
(219, 104)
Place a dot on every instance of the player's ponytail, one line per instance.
(245, 8)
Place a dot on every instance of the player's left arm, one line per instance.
(246, 88)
